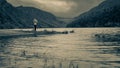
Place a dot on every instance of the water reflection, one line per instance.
(60, 51)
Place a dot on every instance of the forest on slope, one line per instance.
(107, 14)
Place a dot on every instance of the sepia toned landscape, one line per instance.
(59, 34)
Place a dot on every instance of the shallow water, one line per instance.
(75, 50)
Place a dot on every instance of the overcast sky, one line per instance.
(60, 8)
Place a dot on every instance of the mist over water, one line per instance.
(75, 50)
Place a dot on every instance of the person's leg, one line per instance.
(35, 27)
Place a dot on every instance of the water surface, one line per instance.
(75, 50)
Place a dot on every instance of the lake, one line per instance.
(74, 50)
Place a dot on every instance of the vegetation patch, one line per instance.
(113, 37)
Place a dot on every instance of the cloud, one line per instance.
(56, 5)
(62, 8)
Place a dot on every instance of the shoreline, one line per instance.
(4, 34)
(29, 33)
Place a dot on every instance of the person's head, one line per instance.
(35, 21)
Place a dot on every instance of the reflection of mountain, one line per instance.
(21, 17)
(107, 14)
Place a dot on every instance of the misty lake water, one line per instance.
(74, 50)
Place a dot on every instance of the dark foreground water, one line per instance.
(75, 50)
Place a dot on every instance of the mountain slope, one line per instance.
(8, 18)
(107, 14)
(45, 19)
(22, 17)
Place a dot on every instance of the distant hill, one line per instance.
(22, 17)
(107, 14)
(66, 20)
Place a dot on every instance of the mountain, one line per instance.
(22, 17)
(8, 16)
(45, 19)
(107, 14)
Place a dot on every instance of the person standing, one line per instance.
(35, 21)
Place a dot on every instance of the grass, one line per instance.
(113, 37)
